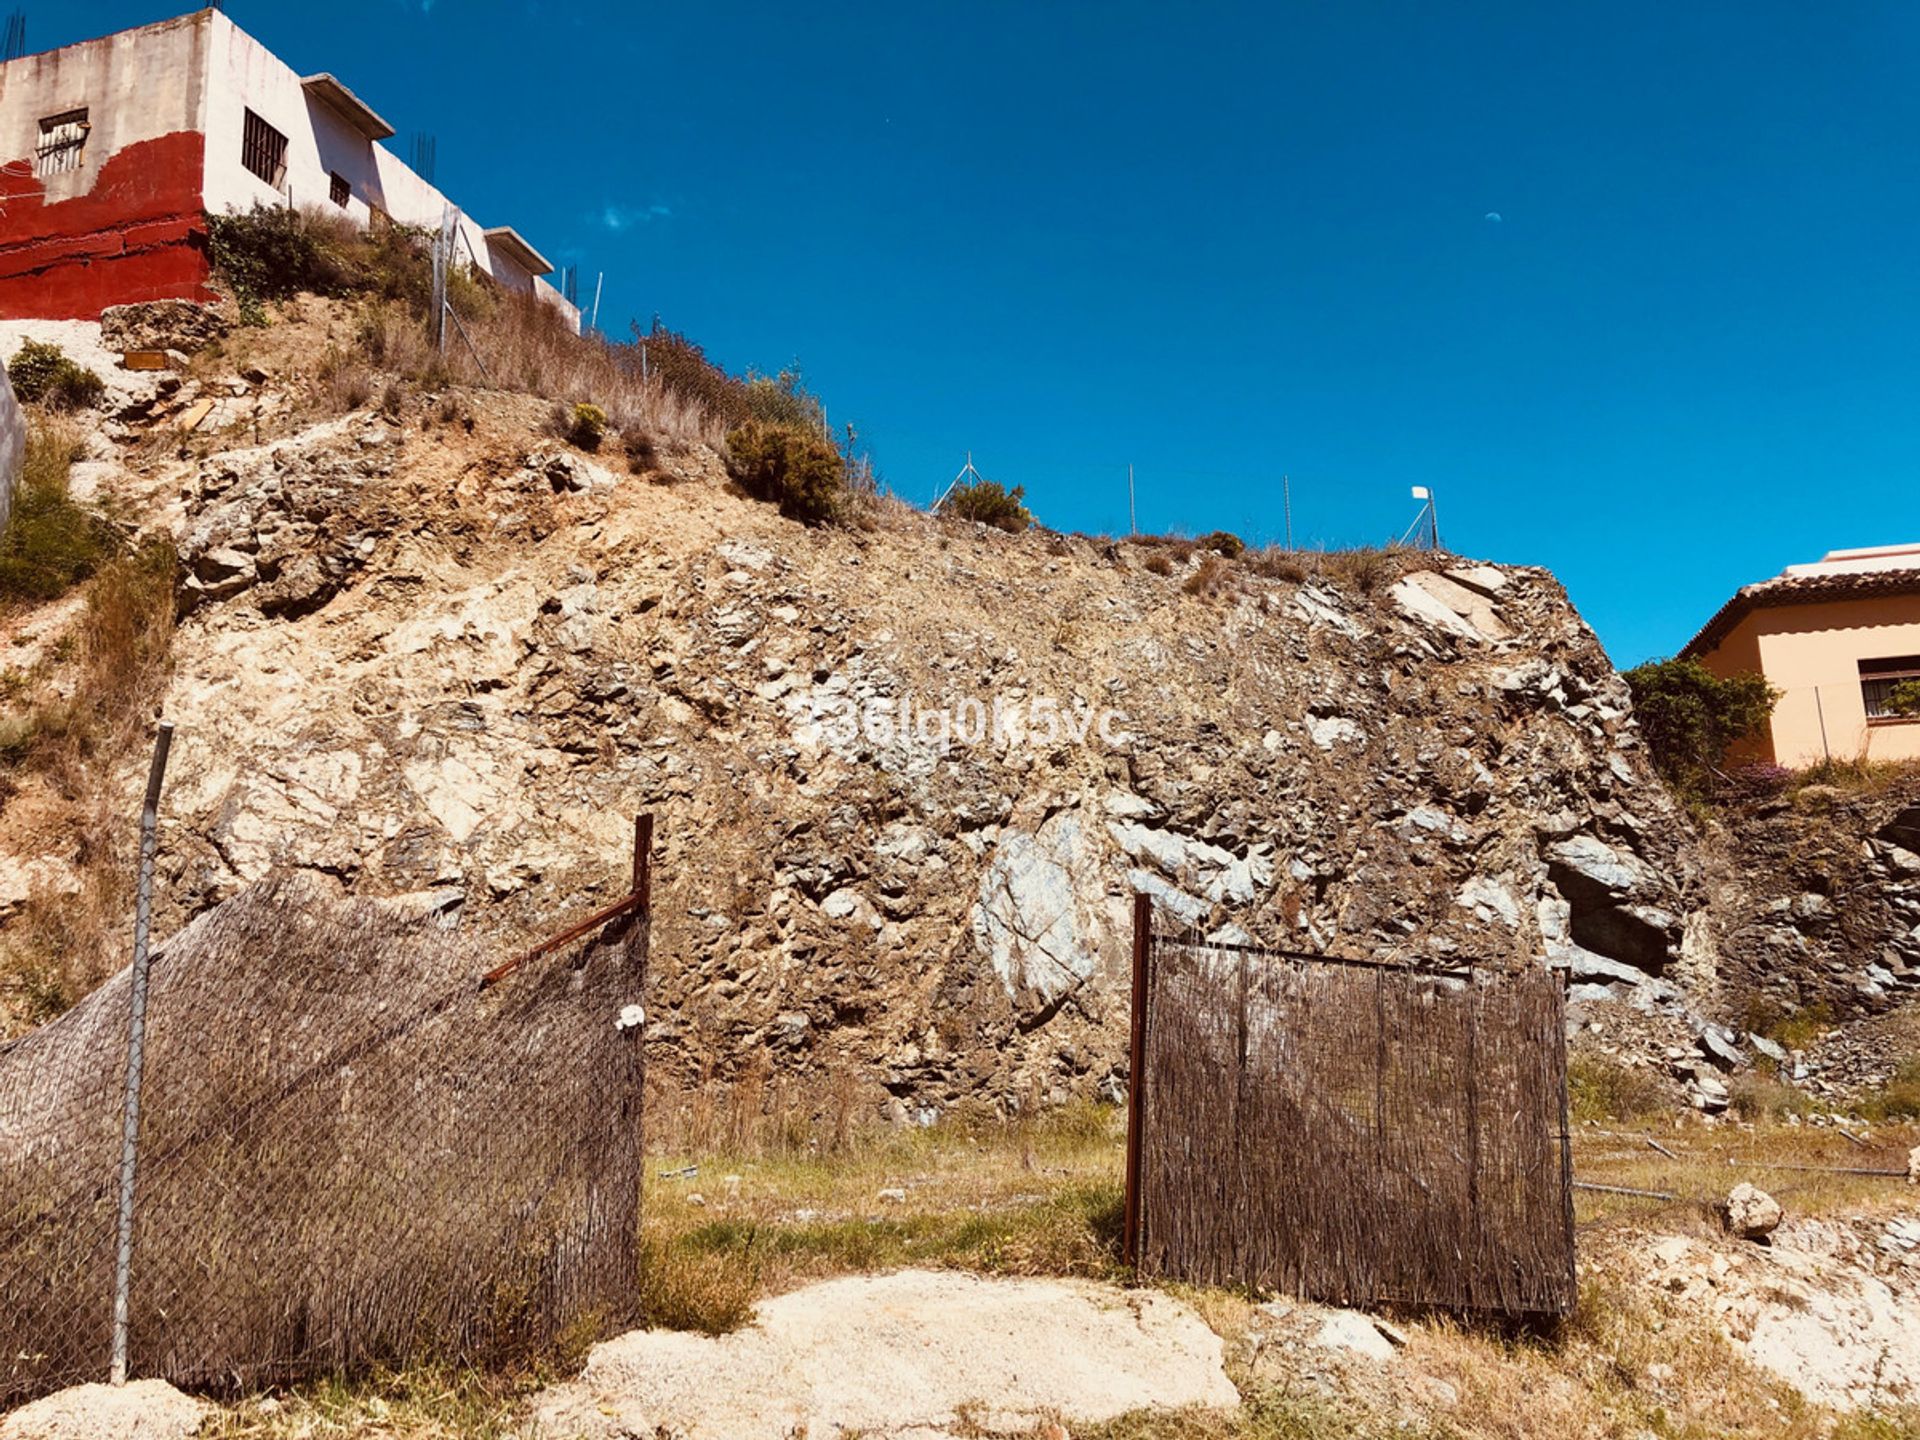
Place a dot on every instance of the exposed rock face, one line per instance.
(1822, 901)
(907, 780)
(908, 777)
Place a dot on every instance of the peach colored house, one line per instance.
(1835, 637)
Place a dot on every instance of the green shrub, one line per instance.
(1904, 698)
(50, 544)
(799, 470)
(588, 426)
(272, 253)
(782, 400)
(1689, 717)
(989, 503)
(42, 374)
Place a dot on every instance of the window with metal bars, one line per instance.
(263, 150)
(1878, 680)
(63, 143)
(341, 190)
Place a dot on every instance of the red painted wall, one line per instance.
(137, 235)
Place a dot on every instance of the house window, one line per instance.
(1878, 679)
(342, 192)
(63, 142)
(263, 150)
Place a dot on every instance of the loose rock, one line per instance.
(1752, 1214)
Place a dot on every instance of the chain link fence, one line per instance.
(1350, 1133)
(353, 1150)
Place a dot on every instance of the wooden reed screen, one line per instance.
(1350, 1133)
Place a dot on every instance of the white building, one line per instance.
(117, 146)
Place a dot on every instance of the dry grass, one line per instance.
(1707, 1161)
(522, 344)
(424, 1404)
(68, 731)
(1027, 1196)
(1041, 1196)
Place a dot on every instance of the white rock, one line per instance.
(901, 1354)
(1350, 1330)
(1752, 1214)
(1327, 731)
(140, 1410)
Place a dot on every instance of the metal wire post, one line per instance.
(136, 1053)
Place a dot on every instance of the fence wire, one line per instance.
(351, 1153)
(1355, 1134)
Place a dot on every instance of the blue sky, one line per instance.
(1633, 286)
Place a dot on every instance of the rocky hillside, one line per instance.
(907, 772)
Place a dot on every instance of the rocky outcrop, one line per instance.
(1821, 904)
(908, 777)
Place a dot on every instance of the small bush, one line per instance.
(1601, 1088)
(1689, 717)
(989, 503)
(1157, 564)
(1177, 548)
(782, 400)
(50, 544)
(1214, 577)
(273, 253)
(587, 426)
(798, 470)
(43, 374)
(1362, 570)
(642, 454)
(1762, 1097)
(1899, 1098)
(1224, 542)
(1277, 564)
(347, 378)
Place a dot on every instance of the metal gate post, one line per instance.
(136, 1056)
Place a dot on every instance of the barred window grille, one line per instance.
(63, 143)
(263, 150)
(1878, 679)
(341, 190)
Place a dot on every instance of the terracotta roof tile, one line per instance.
(1799, 590)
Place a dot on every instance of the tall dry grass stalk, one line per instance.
(75, 734)
(522, 343)
(758, 1113)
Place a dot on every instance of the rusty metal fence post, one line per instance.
(1136, 1079)
(136, 1055)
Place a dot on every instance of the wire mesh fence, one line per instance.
(1353, 1134)
(353, 1150)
